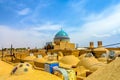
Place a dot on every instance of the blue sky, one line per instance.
(32, 23)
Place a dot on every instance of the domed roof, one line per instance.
(61, 33)
(69, 60)
(101, 49)
(90, 63)
(25, 71)
(22, 68)
(40, 60)
(112, 70)
(29, 58)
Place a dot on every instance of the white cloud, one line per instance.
(24, 11)
(47, 26)
(28, 37)
(101, 35)
(103, 26)
(100, 27)
(77, 6)
(35, 14)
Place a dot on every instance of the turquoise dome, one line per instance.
(61, 36)
(61, 33)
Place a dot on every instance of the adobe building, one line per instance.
(61, 42)
(97, 51)
(100, 50)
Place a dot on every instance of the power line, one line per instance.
(111, 44)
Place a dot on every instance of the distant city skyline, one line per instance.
(32, 23)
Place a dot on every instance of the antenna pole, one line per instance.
(11, 53)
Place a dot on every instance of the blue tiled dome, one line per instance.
(61, 36)
(61, 33)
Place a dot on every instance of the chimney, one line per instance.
(99, 43)
(91, 44)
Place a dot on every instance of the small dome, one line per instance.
(40, 60)
(101, 49)
(61, 34)
(22, 68)
(25, 71)
(70, 60)
(90, 63)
